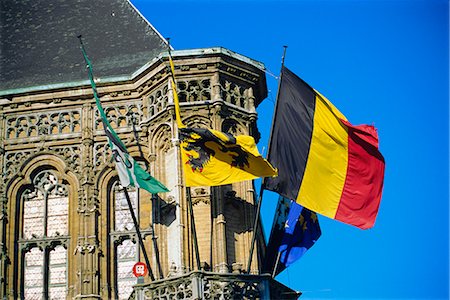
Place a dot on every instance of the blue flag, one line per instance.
(294, 231)
(302, 230)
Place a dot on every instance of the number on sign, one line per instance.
(140, 269)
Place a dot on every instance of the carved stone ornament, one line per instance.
(43, 123)
(120, 115)
(200, 194)
(87, 203)
(15, 159)
(208, 285)
(85, 248)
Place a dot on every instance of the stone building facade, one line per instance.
(65, 228)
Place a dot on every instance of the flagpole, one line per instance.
(194, 232)
(136, 137)
(155, 243)
(174, 88)
(138, 232)
(276, 103)
(181, 125)
(258, 210)
(255, 228)
(127, 196)
(276, 264)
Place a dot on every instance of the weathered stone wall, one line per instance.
(60, 130)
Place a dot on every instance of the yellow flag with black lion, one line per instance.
(212, 157)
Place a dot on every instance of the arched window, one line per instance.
(44, 237)
(123, 234)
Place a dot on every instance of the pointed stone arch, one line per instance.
(234, 127)
(161, 140)
(66, 184)
(198, 121)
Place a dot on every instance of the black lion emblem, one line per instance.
(197, 139)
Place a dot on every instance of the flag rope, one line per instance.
(258, 210)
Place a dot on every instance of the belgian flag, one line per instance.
(324, 163)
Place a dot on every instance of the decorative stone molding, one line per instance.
(238, 72)
(194, 90)
(3, 207)
(156, 101)
(102, 155)
(120, 115)
(118, 237)
(15, 159)
(44, 243)
(85, 248)
(200, 194)
(162, 140)
(71, 155)
(198, 121)
(235, 94)
(43, 123)
(87, 203)
(209, 285)
(233, 127)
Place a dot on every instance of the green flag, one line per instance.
(130, 172)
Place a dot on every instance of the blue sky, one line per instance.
(380, 62)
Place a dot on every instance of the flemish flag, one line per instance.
(213, 158)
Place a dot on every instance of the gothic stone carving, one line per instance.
(120, 115)
(15, 159)
(43, 123)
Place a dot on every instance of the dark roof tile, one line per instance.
(39, 44)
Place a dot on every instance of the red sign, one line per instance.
(140, 269)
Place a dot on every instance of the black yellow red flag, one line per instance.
(325, 163)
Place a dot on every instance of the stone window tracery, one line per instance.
(194, 90)
(232, 127)
(234, 93)
(120, 116)
(44, 237)
(124, 239)
(156, 101)
(44, 123)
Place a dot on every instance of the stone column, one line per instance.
(251, 101)
(87, 251)
(3, 252)
(220, 241)
(3, 213)
(218, 206)
(215, 84)
(177, 246)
